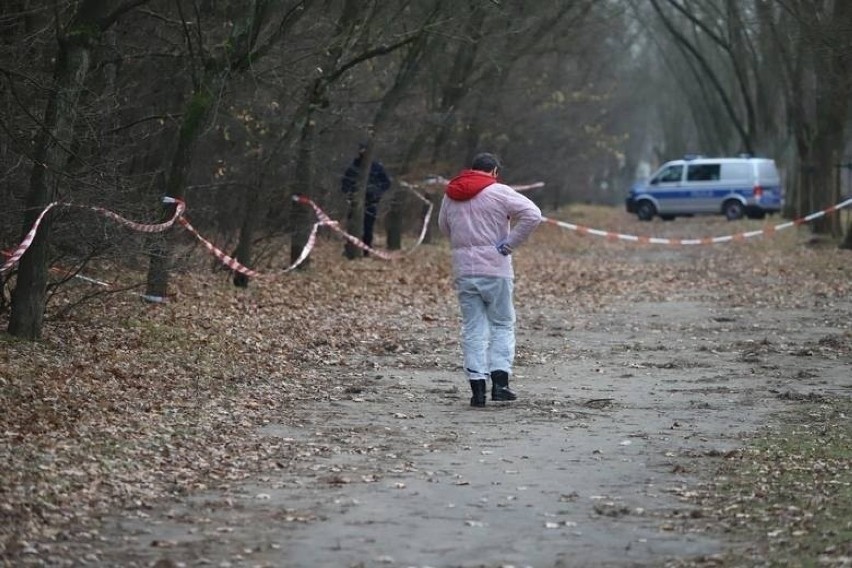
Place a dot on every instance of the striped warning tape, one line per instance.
(67, 273)
(236, 266)
(335, 226)
(84, 278)
(145, 228)
(766, 231)
(324, 220)
(528, 186)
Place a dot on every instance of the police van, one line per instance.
(732, 187)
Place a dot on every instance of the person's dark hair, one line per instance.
(485, 162)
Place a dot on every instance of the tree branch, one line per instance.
(118, 11)
(720, 90)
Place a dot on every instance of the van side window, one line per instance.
(671, 173)
(738, 172)
(702, 172)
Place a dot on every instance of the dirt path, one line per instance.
(620, 413)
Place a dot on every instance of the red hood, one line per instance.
(468, 183)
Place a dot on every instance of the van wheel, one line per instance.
(733, 210)
(645, 210)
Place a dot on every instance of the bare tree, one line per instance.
(826, 33)
(798, 49)
(406, 73)
(349, 46)
(76, 40)
(211, 72)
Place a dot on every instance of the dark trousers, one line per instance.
(370, 212)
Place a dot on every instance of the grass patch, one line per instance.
(788, 495)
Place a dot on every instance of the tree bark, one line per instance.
(847, 240)
(833, 89)
(73, 61)
(304, 181)
(349, 27)
(195, 117)
(241, 52)
(457, 84)
(243, 252)
(390, 101)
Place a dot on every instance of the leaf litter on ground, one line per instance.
(123, 404)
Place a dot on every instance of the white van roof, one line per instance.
(720, 160)
(765, 168)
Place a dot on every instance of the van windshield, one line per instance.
(669, 174)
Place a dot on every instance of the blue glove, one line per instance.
(504, 248)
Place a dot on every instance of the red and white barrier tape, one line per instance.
(69, 274)
(145, 228)
(426, 219)
(28, 240)
(766, 231)
(334, 225)
(236, 266)
(535, 185)
(63, 272)
(227, 260)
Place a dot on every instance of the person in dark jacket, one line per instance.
(378, 182)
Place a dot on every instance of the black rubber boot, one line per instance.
(500, 386)
(478, 389)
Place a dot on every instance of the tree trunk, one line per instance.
(355, 213)
(456, 86)
(240, 52)
(833, 89)
(243, 251)
(51, 158)
(391, 100)
(393, 224)
(195, 117)
(847, 241)
(299, 214)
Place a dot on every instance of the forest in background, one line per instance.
(236, 106)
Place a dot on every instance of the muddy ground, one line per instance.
(620, 412)
(625, 405)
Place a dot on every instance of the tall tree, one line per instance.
(53, 148)
(805, 43)
(350, 45)
(814, 47)
(828, 27)
(456, 82)
(211, 70)
(406, 73)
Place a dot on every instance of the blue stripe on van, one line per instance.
(771, 194)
